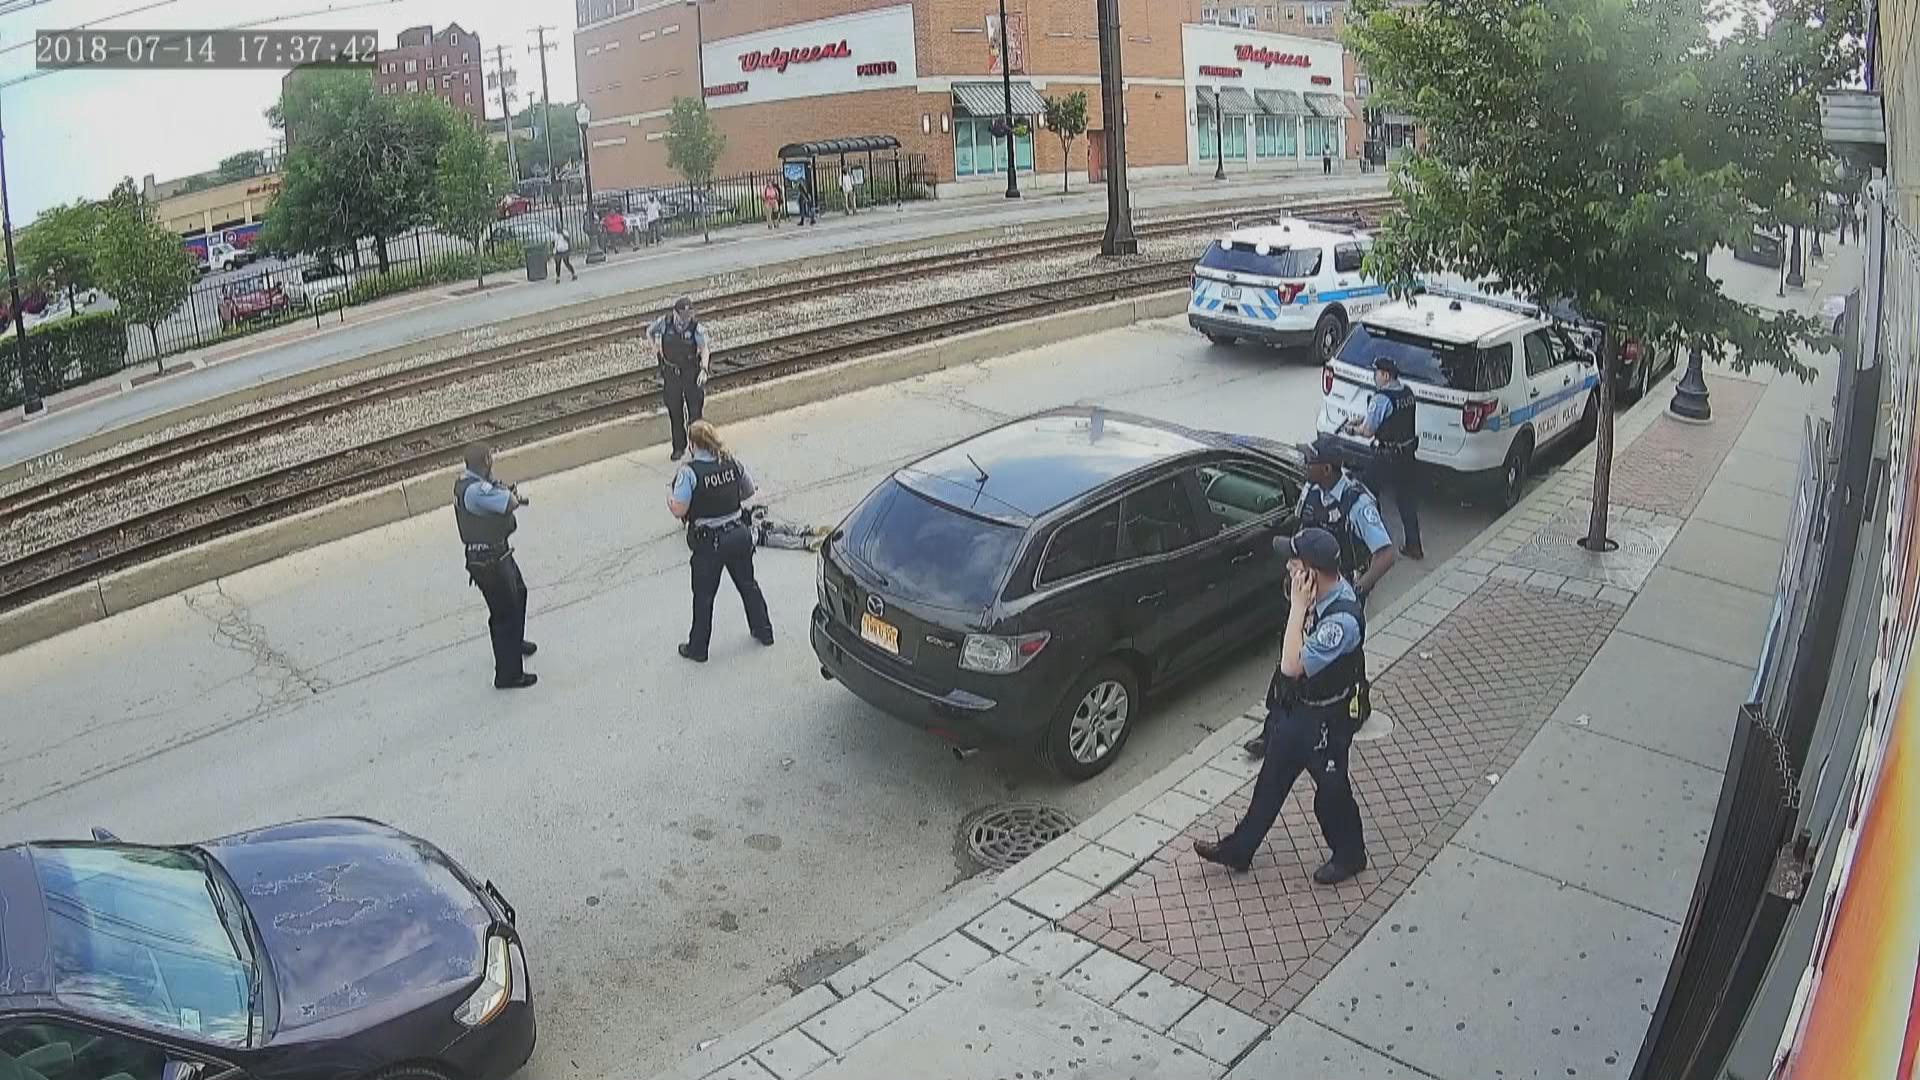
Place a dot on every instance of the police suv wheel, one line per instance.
(1091, 724)
(1513, 474)
(1328, 333)
(1222, 340)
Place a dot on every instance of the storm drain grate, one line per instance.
(1000, 836)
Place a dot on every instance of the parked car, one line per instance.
(321, 285)
(514, 203)
(1032, 583)
(520, 231)
(693, 204)
(1639, 364)
(1296, 284)
(337, 948)
(251, 300)
(1764, 247)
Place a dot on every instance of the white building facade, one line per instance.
(1263, 102)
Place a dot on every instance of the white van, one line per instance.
(1494, 381)
(1295, 284)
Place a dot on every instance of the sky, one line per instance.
(74, 134)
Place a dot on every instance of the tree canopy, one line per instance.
(529, 138)
(470, 180)
(58, 248)
(1067, 118)
(142, 265)
(694, 144)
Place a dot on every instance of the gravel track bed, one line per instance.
(57, 523)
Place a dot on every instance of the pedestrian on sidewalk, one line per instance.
(1326, 162)
(685, 356)
(770, 198)
(809, 206)
(1315, 703)
(1347, 511)
(848, 198)
(562, 256)
(708, 494)
(485, 512)
(1391, 424)
(651, 207)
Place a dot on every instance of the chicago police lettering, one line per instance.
(778, 59)
(1265, 57)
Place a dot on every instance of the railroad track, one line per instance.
(100, 475)
(329, 477)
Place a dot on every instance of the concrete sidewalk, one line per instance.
(1537, 805)
(198, 376)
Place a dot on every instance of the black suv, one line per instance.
(1030, 583)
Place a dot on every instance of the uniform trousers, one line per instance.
(684, 397)
(1315, 741)
(729, 549)
(1396, 473)
(506, 593)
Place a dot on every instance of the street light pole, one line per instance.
(1219, 138)
(1119, 238)
(595, 253)
(1796, 277)
(1006, 85)
(30, 394)
(700, 72)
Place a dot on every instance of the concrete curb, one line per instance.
(663, 293)
(171, 574)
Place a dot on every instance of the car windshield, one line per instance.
(147, 935)
(1424, 360)
(930, 553)
(1242, 259)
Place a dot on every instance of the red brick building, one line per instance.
(927, 73)
(445, 64)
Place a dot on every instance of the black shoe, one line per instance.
(1416, 553)
(521, 683)
(677, 455)
(768, 640)
(528, 648)
(1255, 747)
(1210, 851)
(687, 653)
(1333, 873)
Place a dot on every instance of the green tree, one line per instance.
(143, 266)
(529, 142)
(1067, 117)
(241, 166)
(1597, 151)
(362, 164)
(694, 146)
(58, 248)
(471, 180)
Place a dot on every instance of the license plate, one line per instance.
(880, 633)
(1230, 292)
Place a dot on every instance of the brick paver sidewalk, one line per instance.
(1492, 654)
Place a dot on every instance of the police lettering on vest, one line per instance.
(716, 490)
(1397, 433)
(485, 535)
(680, 345)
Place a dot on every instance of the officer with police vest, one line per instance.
(1346, 510)
(484, 512)
(685, 359)
(1390, 423)
(1315, 704)
(708, 494)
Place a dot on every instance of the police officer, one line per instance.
(1345, 509)
(1390, 424)
(1312, 713)
(485, 511)
(685, 358)
(708, 493)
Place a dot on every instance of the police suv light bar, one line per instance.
(1518, 307)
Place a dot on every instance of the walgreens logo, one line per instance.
(1265, 57)
(778, 59)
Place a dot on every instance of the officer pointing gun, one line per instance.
(484, 511)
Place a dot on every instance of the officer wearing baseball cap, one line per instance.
(686, 357)
(1390, 423)
(1317, 700)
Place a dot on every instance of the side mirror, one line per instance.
(103, 836)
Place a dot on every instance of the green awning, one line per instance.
(1330, 106)
(990, 99)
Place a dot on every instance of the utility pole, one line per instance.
(505, 75)
(1006, 83)
(1119, 238)
(29, 392)
(546, 104)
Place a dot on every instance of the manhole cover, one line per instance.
(1001, 836)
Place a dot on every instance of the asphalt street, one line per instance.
(684, 844)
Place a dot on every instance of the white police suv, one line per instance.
(1494, 381)
(1295, 284)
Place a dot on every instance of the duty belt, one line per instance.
(1337, 699)
(1400, 448)
(485, 555)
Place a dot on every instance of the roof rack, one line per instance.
(1518, 307)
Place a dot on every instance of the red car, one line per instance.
(514, 204)
(248, 302)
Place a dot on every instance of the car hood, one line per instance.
(356, 919)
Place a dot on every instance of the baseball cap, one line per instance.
(1387, 364)
(1315, 547)
(1320, 451)
(685, 303)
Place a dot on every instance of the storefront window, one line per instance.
(1233, 138)
(1203, 135)
(977, 153)
(1323, 136)
(1276, 137)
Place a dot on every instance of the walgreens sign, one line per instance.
(1265, 57)
(816, 59)
(779, 59)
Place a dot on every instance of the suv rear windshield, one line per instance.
(1436, 363)
(930, 553)
(1242, 259)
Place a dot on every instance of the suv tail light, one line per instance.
(1289, 291)
(993, 655)
(1475, 414)
(1326, 381)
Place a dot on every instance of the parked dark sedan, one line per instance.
(1031, 583)
(329, 948)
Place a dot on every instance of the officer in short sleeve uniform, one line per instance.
(685, 361)
(484, 512)
(1314, 707)
(708, 494)
(1391, 422)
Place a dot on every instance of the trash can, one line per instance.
(539, 254)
